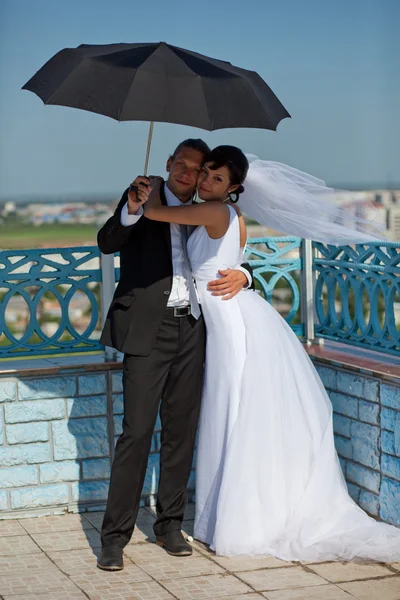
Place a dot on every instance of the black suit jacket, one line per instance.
(145, 284)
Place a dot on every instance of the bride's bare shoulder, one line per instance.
(242, 224)
(236, 209)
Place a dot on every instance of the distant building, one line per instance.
(381, 207)
(393, 223)
(9, 207)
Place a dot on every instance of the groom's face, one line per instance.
(184, 169)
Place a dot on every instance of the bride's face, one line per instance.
(214, 185)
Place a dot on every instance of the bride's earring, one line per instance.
(233, 197)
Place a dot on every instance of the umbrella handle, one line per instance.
(146, 164)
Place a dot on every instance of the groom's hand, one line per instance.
(231, 283)
(138, 194)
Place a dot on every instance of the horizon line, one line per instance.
(362, 187)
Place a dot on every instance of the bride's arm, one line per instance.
(232, 281)
(210, 214)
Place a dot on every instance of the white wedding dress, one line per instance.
(268, 477)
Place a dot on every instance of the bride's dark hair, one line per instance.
(236, 163)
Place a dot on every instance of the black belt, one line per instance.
(179, 311)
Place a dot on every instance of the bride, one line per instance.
(268, 476)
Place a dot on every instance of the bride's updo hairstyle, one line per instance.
(236, 163)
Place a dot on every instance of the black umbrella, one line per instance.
(157, 82)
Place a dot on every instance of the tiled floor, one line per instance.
(54, 558)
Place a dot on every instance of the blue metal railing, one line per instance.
(356, 294)
(38, 288)
(277, 268)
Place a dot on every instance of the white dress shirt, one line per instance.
(180, 292)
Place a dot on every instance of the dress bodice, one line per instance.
(208, 255)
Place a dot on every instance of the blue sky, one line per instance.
(334, 65)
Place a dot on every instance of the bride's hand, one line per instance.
(232, 282)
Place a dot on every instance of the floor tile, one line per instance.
(12, 565)
(83, 563)
(236, 564)
(142, 533)
(206, 588)
(203, 548)
(254, 596)
(189, 511)
(160, 565)
(94, 518)
(32, 574)
(57, 561)
(92, 580)
(67, 540)
(70, 561)
(320, 592)
(102, 590)
(19, 544)
(11, 527)
(279, 579)
(55, 523)
(61, 595)
(337, 571)
(375, 589)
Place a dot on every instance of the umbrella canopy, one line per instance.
(157, 82)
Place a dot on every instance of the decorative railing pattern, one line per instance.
(49, 301)
(50, 298)
(277, 272)
(357, 295)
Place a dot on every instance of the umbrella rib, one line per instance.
(131, 84)
(227, 67)
(258, 101)
(81, 64)
(48, 100)
(261, 104)
(205, 98)
(127, 96)
(252, 91)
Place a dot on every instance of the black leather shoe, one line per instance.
(111, 558)
(174, 543)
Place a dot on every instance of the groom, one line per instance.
(155, 320)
